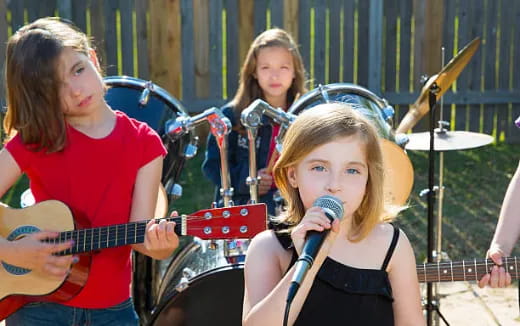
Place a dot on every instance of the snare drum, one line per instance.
(200, 288)
(398, 167)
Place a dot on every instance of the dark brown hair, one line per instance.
(34, 109)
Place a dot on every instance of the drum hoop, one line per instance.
(337, 88)
(140, 84)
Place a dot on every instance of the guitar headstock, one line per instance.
(236, 222)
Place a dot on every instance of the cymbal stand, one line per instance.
(431, 305)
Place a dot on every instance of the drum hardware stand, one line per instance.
(220, 126)
(431, 304)
(251, 118)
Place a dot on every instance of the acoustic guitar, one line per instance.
(19, 286)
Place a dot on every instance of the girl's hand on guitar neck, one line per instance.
(498, 278)
(160, 239)
(31, 253)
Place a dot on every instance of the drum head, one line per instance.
(397, 166)
(212, 298)
(398, 173)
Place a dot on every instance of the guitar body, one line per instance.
(21, 286)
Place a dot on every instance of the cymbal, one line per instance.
(447, 140)
(443, 79)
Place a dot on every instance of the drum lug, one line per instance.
(182, 285)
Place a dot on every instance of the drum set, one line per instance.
(202, 284)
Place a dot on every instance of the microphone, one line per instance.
(333, 208)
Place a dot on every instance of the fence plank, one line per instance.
(290, 17)
(186, 31)
(79, 14)
(334, 42)
(110, 7)
(276, 8)
(320, 41)
(233, 45)
(201, 46)
(215, 48)
(165, 45)
(506, 22)
(390, 45)
(405, 13)
(489, 53)
(348, 41)
(514, 136)
(16, 8)
(126, 8)
(463, 37)
(363, 44)
(259, 17)
(304, 19)
(450, 11)
(97, 23)
(65, 8)
(38, 9)
(375, 42)
(246, 29)
(474, 68)
(143, 67)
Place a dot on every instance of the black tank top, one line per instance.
(344, 295)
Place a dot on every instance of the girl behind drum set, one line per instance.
(365, 273)
(273, 71)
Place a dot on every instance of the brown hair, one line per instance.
(248, 88)
(320, 125)
(33, 82)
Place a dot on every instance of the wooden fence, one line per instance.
(194, 48)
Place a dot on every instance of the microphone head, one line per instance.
(332, 205)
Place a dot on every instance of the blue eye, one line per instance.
(352, 171)
(318, 168)
(79, 70)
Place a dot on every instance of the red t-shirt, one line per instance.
(95, 179)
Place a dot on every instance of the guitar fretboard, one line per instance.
(465, 270)
(86, 240)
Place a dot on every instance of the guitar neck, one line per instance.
(86, 240)
(465, 270)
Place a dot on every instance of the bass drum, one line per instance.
(147, 102)
(200, 288)
(398, 167)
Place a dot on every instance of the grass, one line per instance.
(475, 182)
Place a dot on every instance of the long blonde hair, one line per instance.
(318, 126)
(33, 82)
(248, 88)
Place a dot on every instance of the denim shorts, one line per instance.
(54, 314)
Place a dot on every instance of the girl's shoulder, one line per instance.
(396, 241)
(266, 249)
(270, 243)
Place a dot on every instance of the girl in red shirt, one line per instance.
(74, 148)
